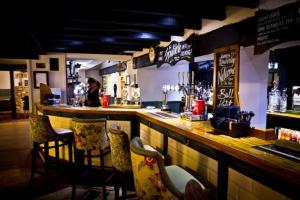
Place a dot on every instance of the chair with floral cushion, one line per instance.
(90, 137)
(43, 133)
(152, 179)
(120, 157)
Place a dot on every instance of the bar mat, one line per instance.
(280, 151)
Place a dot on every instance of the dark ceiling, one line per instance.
(88, 27)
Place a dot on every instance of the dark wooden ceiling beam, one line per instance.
(97, 46)
(98, 37)
(243, 3)
(93, 42)
(88, 27)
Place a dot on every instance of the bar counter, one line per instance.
(280, 174)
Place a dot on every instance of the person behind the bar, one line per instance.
(93, 93)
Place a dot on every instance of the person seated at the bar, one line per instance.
(93, 93)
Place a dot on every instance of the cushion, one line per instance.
(180, 177)
(62, 131)
(150, 148)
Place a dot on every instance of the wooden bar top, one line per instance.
(288, 115)
(202, 132)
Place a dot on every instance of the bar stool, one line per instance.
(152, 179)
(120, 157)
(42, 134)
(90, 136)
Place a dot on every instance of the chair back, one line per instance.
(90, 134)
(193, 191)
(150, 178)
(41, 129)
(120, 149)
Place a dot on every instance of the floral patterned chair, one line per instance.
(152, 179)
(90, 136)
(121, 160)
(42, 133)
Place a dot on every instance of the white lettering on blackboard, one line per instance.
(226, 59)
(224, 74)
(225, 97)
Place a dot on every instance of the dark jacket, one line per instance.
(93, 98)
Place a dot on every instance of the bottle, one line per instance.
(283, 101)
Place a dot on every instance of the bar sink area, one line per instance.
(164, 115)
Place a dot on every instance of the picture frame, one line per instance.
(54, 64)
(40, 65)
(26, 82)
(40, 77)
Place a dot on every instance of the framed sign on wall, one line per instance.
(226, 76)
(40, 77)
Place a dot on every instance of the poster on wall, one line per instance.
(277, 26)
(226, 76)
(175, 52)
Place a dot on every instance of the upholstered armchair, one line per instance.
(152, 179)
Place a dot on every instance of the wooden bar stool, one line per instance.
(121, 161)
(90, 136)
(43, 133)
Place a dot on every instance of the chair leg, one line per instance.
(34, 155)
(74, 174)
(57, 155)
(124, 182)
(89, 157)
(102, 169)
(70, 145)
(117, 188)
(46, 167)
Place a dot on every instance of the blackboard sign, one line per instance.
(141, 61)
(276, 26)
(113, 69)
(226, 76)
(176, 52)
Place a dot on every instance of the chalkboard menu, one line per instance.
(226, 76)
(276, 26)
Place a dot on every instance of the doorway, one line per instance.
(13, 91)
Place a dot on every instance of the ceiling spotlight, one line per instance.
(108, 39)
(168, 21)
(76, 42)
(145, 36)
(61, 48)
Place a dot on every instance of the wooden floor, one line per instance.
(15, 167)
(15, 163)
(14, 153)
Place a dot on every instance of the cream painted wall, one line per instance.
(57, 79)
(114, 78)
(4, 80)
(152, 79)
(93, 73)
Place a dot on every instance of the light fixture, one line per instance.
(76, 42)
(108, 39)
(61, 48)
(128, 51)
(168, 21)
(144, 35)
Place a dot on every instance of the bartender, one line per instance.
(93, 93)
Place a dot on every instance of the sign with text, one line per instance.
(175, 52)
(276, 26)
(226, 76)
